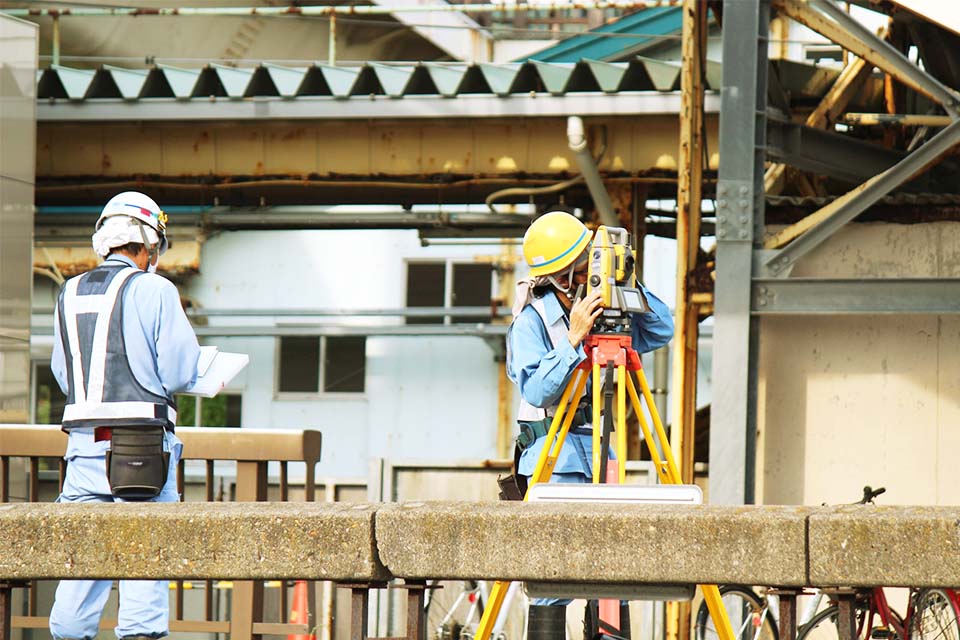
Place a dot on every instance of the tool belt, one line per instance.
(137, 465)
(514, 486)
(530, 431)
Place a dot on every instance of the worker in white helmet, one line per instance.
(122, 347)
(544, 348)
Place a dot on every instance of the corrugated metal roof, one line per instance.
(645, 27)
(344, 82)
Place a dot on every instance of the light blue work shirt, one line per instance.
(160, 343)
(542, 371)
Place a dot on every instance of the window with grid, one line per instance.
(322, 364)
(470, 285)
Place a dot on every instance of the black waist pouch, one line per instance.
(136, 462)
(513, 486)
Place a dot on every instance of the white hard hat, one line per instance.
(139, 207)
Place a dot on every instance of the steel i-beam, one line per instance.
(817, 227)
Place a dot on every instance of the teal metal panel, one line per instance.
(664, 75)
(64, 82)
(234, 80)
(555, 77)
(180, 81)
(286, 80)
(129, 82)
(616, 40)
(607, 74)
(446, 77)
(340, 80)
(393, 79)
(500, 77)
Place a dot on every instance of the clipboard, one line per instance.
(215, 370)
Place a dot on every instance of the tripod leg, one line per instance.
(621, 424)
(597, 388)
(670, 474)
(559, 427)
(607, 422)
(663, 471)
(658, 425)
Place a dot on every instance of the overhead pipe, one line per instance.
(347, 9)
(577, 138)
(56, 40)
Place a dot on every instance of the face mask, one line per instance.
(152, 268)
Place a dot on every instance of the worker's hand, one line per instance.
(582, 316)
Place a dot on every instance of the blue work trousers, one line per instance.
(144, 604)
(583, 457)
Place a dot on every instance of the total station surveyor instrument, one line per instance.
(609, 347)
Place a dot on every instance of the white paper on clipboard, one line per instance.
(215, 370)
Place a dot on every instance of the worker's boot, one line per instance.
(547, 622)
(592, 630)
(625, 620)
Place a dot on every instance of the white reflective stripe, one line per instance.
(73, 339)
(98, 353)
(85, 304)
(104, 410)
(557, 332)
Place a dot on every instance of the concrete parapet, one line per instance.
(592, 543)
(868, 545)
(242, 540)
(612, 544)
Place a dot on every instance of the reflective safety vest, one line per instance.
(557, 333)
(101, 388)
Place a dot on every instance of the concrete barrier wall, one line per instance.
(587, 543)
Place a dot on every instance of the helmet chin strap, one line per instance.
(152, 249)
(556, 283)
(568, 290)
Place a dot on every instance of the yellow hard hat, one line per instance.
(553, 241)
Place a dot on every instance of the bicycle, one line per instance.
(751, 615)
(932, 614)
(453, 609)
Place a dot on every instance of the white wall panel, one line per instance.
(847, 401)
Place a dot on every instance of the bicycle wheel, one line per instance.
(513, 615)
(935, 617)
(823, 626)
(450, 606)
(749, 616)
(453, 611)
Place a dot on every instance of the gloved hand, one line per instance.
(582, 316)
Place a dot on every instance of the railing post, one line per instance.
(248, 595)
(847, 619)
(6, 606)
(359, 612)
(788, 611)
(6, 600)
(415, 613)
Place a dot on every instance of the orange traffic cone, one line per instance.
(299, 613)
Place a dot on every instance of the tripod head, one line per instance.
(612, 273)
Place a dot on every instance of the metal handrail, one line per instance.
(251, 449)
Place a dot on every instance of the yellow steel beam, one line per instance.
(487, 147)
(832, 105)
(689, 181)
(800, 11)
(689, 196)
(182, 259)
(894, 119)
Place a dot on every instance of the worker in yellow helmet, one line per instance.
(544, 347)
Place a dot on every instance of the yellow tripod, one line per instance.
(612, 351)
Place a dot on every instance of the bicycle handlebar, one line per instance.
(869, 493)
